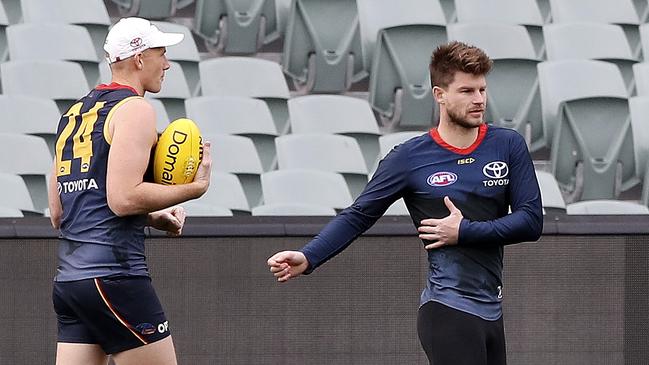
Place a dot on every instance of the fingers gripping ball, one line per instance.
(178, 153)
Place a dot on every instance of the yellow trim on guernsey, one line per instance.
(107, 136)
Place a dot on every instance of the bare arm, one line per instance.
(133, 132)
(53, 199)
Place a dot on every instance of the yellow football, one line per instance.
(178, 153)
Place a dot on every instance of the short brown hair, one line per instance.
(455, 56)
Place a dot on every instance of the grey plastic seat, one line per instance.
(236, 115)
(326, 152)
(511, 12)
(641, 77)
(238, 155)
(606, 207)
(592, 148)
(174, 91)
(639, 109)
(336, 114)
(4, 22)
(185, 54)
(236, 26)
(29, 115)
(6, 212)
(567, 41)
(321, 56)
(12, 11)
(304, 186)
(150, 9)
(14, 194)
(247, 77)
(225, 191)
(551, 196)
(92, 14)
(196, 209)
(399, 38)
(293, 210)
(62, 81)
(29, 157)
(391, 140)
(622, 12)
(56, 42)
(161, 117)
(513, 92)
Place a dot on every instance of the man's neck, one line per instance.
(455, 135)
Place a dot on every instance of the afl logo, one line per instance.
(495, 170)
(441, 178)
(136, 42)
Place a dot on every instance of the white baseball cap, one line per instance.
(134, 35)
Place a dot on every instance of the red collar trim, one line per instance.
(115, 86)
(482, 132)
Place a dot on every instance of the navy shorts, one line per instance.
(118, 313)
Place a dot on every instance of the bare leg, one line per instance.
(158, 353)
(80, 354)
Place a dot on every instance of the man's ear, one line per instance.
(439, 94)
(137, 59)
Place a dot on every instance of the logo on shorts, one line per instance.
(163, 327)
(441, 178)
(145, 328)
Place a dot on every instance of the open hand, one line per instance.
(443, 231)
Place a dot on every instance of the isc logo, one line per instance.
(441, 178)
(465, 161)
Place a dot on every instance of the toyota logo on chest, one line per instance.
(497, 172)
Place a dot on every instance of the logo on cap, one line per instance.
(136, 42)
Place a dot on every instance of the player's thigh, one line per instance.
(80, 354)
(157, 353)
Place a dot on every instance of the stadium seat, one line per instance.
(551, 197)
(29, 115)
(390, 140)
(247, 77)
(513, 86)
(4, 22)
(336, 114)
(236, 27)
(639, 109)
(174, 91)
(29, 157)
(92, 14)
(622, 12)
(196, 209)
(185, 54)
(397, 208)
(567, 41)
(237, 155)
(225, 191)
(606, 207)
(326, 152)
(399, 37)
(12, 11)
(236, 115)
(6, 212)
(150, 9)
(62, 81)
(641, 77)
(162, 119)
(592, 151)
(300, 186)
(14, 194)
(511, 12)
(322, 56)
(56, 42)
(292, 209)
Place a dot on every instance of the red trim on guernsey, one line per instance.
(122, 320)
(115, 86)
(482, 132)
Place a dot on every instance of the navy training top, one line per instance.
(483, 181)
(95, 242)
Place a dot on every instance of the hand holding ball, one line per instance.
(178, 153)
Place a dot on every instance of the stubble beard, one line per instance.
(462, 121)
